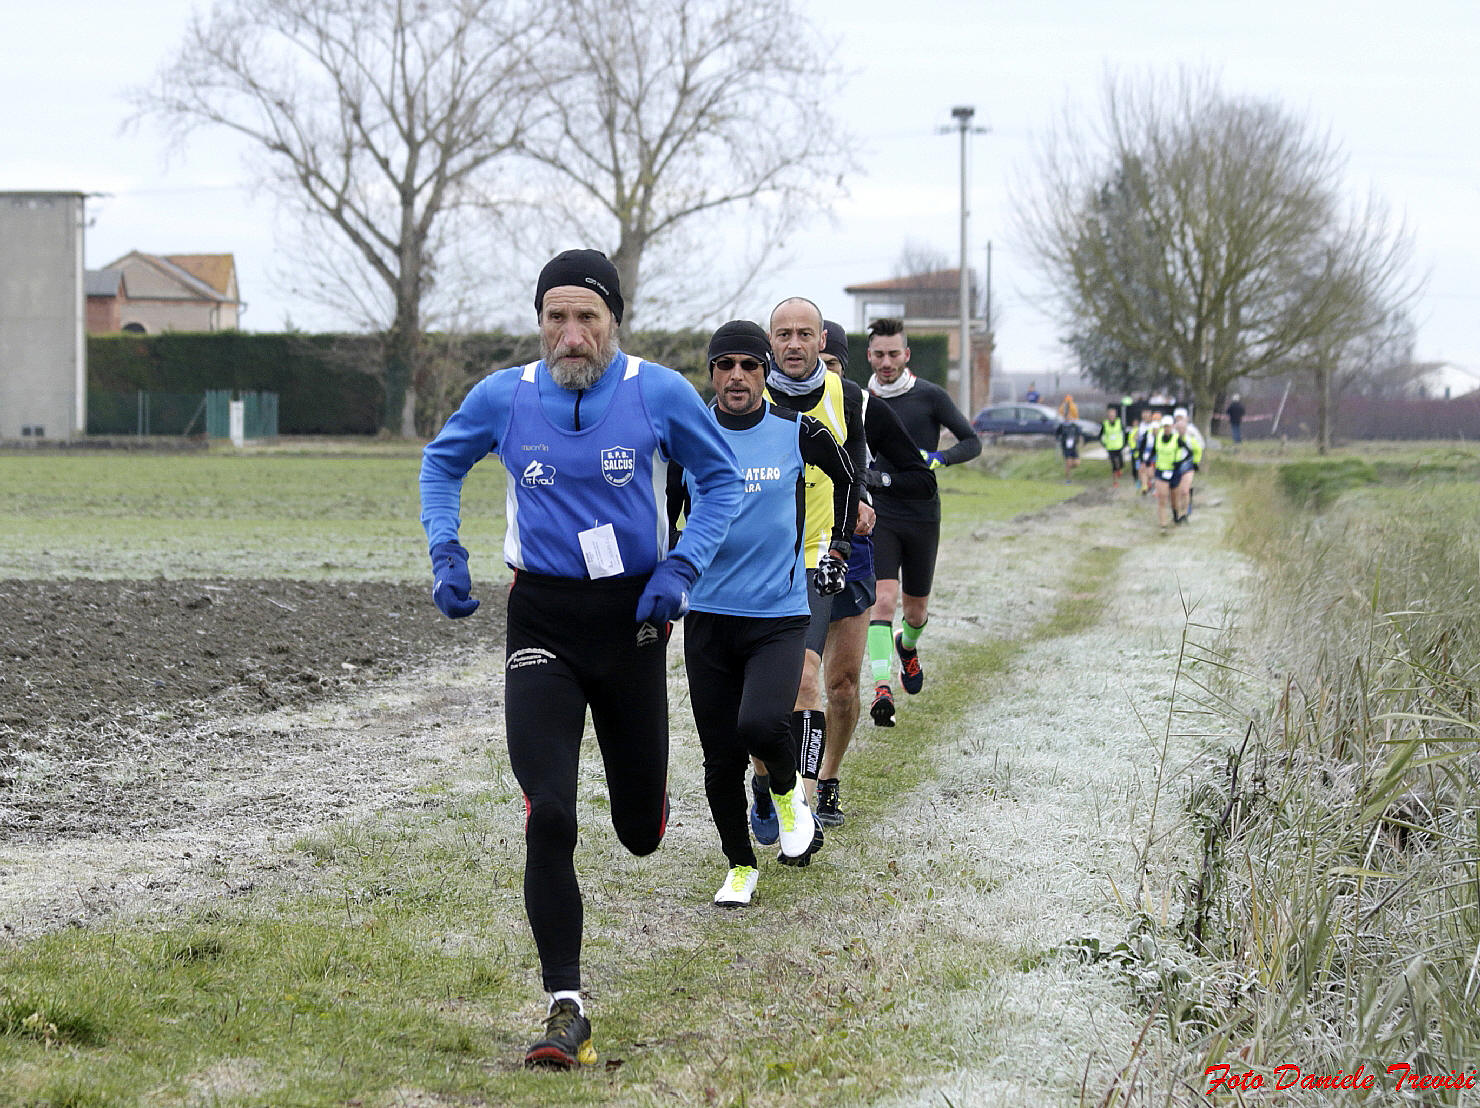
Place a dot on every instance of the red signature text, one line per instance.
(1290, 1077)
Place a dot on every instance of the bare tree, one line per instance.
(378, 119)
(917, 257)
(1203, 234)
(662, 116)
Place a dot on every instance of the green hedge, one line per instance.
(331, 384)
(324, 382)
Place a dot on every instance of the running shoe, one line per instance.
(805, 859)
(763, 822)
(828, 813)
(796, 821)
(911, 676)
(567, 1039)
(738, 888)
(883, 707)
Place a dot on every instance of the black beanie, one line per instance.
(586, 269)
(740, 336)
(837, 341)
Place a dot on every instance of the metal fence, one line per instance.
(182, 413)
(145, 413)
(259, 415)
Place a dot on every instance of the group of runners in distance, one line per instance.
(1166, 451)
(791, 518)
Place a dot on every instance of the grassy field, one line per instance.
(273, 514)
(289, 512)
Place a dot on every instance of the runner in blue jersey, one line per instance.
(585, 434)
(745, 634)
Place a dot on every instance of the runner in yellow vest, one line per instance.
(798, 381)
(1112, 438)
(1174, 457)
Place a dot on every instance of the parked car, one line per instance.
(1022, 418)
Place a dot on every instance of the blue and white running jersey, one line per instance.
(562, 483)
(759, 569)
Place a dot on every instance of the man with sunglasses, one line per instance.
(745, 634)
(595, 586)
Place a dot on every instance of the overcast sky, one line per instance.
(1398, 86)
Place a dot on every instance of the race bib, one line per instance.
(599, 547)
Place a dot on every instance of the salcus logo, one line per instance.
(618, 464)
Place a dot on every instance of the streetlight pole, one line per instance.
(963, 115)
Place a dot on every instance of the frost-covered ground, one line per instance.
(1047, 791)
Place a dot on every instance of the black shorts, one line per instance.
(1070, 451)
(856, 598)
(1172, 478)
(905, 552)
(1117, 459)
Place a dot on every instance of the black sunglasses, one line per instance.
(725, 364)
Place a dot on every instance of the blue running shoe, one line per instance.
(765, 824)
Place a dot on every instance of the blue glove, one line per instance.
(831, 576)
(933, 458)
(666, 596)
(450, 571)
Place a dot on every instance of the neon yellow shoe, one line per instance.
(738, 888)
(797, 825)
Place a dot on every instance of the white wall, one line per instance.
(43, 368)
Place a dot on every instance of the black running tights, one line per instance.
(572, 645)
(743, 676)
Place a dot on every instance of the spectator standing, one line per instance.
(1236, 418)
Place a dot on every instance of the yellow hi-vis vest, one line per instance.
(819, 486)
(1112, 434)
(1168, 453)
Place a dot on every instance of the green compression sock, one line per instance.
(881, 650)
(909, 635)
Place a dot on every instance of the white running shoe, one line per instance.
(738, 887)
(796, 821)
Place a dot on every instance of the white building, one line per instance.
(43, 356)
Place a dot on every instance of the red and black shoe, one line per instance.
(883, 707)
(911, 676)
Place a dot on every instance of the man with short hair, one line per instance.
(595, 586)
(907, 534)
(798, 381)
(745, 634)
(847, 633)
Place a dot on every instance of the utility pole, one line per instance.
(963, 115)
